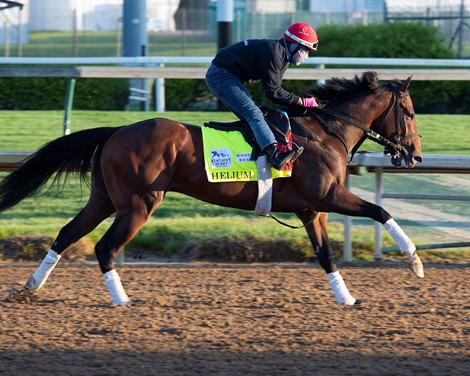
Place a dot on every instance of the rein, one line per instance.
(288, 225)
(369, 132)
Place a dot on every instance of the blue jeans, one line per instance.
(233, 94)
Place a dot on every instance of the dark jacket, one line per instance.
(259, 59)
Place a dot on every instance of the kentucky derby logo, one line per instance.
(221, 158)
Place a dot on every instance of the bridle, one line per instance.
(393, 147)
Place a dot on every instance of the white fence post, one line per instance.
(377, 225)
(347, 221)
(160, 93)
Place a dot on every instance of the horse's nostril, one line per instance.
(418, 158)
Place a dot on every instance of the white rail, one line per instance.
(379, 164)
(157, 60)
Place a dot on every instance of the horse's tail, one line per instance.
(68, 154)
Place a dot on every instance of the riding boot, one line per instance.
(279, 159)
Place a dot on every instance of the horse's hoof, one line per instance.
(20, 296)
(348, 301)
(416, 266)
(123, 303)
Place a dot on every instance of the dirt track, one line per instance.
(238, 320)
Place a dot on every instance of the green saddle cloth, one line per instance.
(227, 157)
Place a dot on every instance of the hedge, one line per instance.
(396, 40)
(41, 93)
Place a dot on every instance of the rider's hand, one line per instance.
(309, 102)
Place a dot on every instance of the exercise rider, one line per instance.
(264, 60)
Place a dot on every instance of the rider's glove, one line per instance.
(309, 102)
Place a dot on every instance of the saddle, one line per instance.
(278, 122)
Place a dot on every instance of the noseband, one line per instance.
(394, 147)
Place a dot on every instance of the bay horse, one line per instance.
(133, 166)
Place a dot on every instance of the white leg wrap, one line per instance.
(114, 285)
(404, 242)
(37, 280)
(339, 288)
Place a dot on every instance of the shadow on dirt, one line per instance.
(218, 362)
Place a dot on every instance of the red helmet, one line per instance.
(303, 34)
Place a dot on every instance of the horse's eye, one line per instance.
(409, 117)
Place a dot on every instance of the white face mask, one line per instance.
(299, 57)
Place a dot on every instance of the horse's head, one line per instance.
(398, 125)
(386, 116)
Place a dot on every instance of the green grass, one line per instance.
(106, 44)
(167, 230)
(440, 134)
(28, 130)
(444, 134)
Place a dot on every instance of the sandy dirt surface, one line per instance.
(225, 319)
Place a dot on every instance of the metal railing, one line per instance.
(379, 164)
(157, 60)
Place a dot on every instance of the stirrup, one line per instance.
(298, 151)
(280, 160)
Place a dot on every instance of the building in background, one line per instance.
(104, 15)
(253, 18)
(13, 18)
(270, 6)
(94, 15)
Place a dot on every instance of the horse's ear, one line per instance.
(405, 84)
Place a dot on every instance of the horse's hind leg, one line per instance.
(318, 234)
(128, 221)
(98, 208)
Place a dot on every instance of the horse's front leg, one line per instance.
(342, 201)
(316, 227)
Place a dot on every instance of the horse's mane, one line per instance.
(337, 88)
